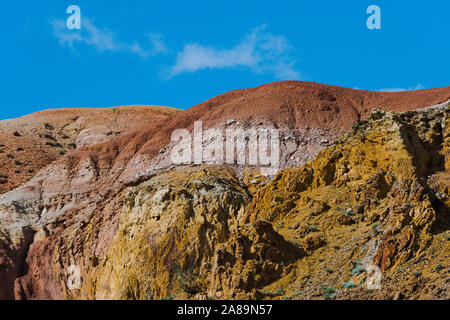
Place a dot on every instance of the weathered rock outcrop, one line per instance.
(387, 189)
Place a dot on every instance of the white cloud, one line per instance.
(156, 40)
(418, 87)
(104, 39)
(260, 52)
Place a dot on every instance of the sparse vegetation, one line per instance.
(18, 162)
(48, 126)
(439, 267)
(358, 268)
(189, 280)
(16, 134)
(349, 285)
(49, 136)
(54, 144)
(329, 293)
(363, 248)
(63, 152)
(296, 293)
(374, 228)
(279, 292)
(168, 298)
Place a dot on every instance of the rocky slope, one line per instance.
(29, 143)
(376, 200)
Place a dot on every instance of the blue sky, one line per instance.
(180, 53)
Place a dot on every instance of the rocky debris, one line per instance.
(313, 242)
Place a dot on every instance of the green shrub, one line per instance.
(48, 126)
(329, 293)
(349, 285)
(279, 292)
(50, 137)
(18, 162)
(358, 268)
(439, 267)
(374, 228)
(296, 293)
(189, 280)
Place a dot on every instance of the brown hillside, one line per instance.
(286, 104)
(29, 143)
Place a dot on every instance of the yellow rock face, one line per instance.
(170, 228)
(377, 199)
